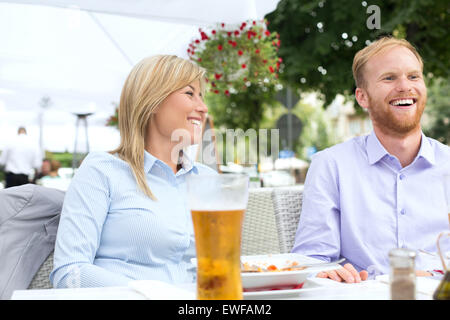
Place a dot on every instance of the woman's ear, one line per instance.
(362, 97)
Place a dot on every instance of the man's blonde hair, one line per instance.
(363, 55)
(151, 81)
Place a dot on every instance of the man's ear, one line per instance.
(362, 97)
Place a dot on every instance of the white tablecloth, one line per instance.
(314, 289)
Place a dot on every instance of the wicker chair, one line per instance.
(287, 203)
(271, 220)
(41, 279)
(259, 230)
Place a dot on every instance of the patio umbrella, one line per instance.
(79, 53)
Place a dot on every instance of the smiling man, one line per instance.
(382, 191)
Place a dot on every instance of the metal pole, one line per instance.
(289, 117)
(74, 155)
(86, 133)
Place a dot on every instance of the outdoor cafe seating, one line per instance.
(269, 225)
(269, 228)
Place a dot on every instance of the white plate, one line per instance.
(252, 280)
(276, 294)
(280, 278)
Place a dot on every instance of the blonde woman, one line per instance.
(125, 214)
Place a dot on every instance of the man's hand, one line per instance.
(421, 273)
(347, 274)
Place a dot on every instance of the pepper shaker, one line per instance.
(403, 276)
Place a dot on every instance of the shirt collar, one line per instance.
(374, 148)
(186, 163)
(426, 150)
(376, 151)
(149, 161)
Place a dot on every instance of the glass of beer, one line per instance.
(217, 204)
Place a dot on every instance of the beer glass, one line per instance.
(217, 204)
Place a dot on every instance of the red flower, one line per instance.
(229, 33)
(251, 34)
(204, 36)
(257, 51)
(267, 33)
(223, 25)
(236, 33)
(218, 76)
(216, 91)
(219, 47)
(227, 92)
(271, 69)
(264, 61)
(244, 66)
(234, 44)
(240, 52)
(199, 59)
(213, 32)
(197, 41)
(280, 59)
(254, 22)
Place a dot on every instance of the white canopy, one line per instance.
(78, 53)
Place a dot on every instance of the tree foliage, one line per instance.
(320, 38)
(437, 111)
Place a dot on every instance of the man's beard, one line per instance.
(388, 121)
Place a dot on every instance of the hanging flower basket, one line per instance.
(238, 56)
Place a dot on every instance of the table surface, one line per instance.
(315, 289)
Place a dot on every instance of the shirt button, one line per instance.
(402, 176)
(403, 211)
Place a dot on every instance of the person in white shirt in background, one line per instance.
(21, 158)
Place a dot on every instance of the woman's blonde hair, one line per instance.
(150, 81)
(363, 55)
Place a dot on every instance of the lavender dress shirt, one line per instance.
(359, 203)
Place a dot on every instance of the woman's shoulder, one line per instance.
(97, 157)
(102, 161)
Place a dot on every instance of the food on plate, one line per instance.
(266, 267)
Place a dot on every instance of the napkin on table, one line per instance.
(158, 290)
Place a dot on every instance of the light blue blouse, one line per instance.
(111, 233)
